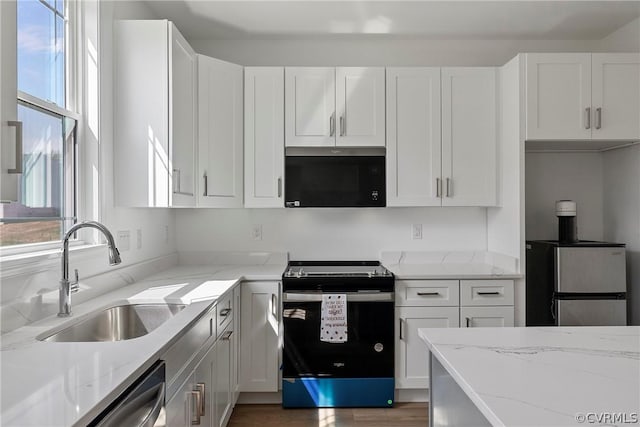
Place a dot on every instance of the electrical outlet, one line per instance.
(124, 243)
(416, 231)
(256, 231)
(139, 238)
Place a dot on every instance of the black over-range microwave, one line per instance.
(333, 178)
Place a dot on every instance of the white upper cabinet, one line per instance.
(615, 95)
(360, 107)
(582, 96)
(155, 115)
(327, 107)
(9, 135)
(220, 127)
(413, 136)
(558, 95)
(310, 106)
(264, 137)
(469, 136)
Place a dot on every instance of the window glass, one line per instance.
(48, 163)
(41, 51)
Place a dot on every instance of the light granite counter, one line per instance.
(450, 265)
(64, 384)
(556, 376)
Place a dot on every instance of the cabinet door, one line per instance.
(220, 126)
(8, 101)
(235, 347)
(141, 114)
(182, 122)
(310, 107)
(558, 96)
(360, 106)
(181, 409)
(469, 136)
(616, 95)
(204, 385)
(259, 343)
(222, 378)
(413, 137)
(264, 137)
(473, 317)
(412, 356)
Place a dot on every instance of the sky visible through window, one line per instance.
(41, 50)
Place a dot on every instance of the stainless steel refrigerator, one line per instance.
(576, 284)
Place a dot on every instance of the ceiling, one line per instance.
(423, 19)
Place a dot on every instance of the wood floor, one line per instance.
(402, 415)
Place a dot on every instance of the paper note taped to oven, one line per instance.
(333, 322)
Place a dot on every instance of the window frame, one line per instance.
(73, 97)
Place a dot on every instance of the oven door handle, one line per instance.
(351, 296)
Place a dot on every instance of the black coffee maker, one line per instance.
(567, 222)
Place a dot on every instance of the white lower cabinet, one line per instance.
(180, 409)
(412, 356)
(222, 371)
(487, 317)
(259, 340)
(443, 304)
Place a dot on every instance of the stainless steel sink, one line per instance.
(122, 322)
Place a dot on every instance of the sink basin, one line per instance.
(122, 322)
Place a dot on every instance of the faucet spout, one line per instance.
(65, 285)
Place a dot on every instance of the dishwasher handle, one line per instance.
(130, 413)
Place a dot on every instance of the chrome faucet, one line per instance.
(67, 288)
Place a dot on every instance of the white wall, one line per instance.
(332, 233)
(622, 214)
(563, 176)
(625, 39)
(379, 51)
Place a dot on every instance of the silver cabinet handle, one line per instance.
(279, 187)
(401, 334)
(206, 182)
(201, 387)
(274, 306)
(468, 322)
(488, 293)
(428, 294)
(598, 118)
(342, 120)
(198, 399)
(18, 126)
(225, 312)
(332, 125)
(587, 121)
(449, 191)
(227, 336)
(437, 187)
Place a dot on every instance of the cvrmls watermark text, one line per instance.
(607, 418)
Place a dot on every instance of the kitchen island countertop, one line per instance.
(554, 376)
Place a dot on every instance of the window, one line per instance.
(43, 201)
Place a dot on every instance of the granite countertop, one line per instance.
(543, 376)
(64, 384)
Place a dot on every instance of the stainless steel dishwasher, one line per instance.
(141, 405)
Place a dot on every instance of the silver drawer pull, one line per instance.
(227, 336)
(428, 294)
(401, 334)
(201, 387)
(598, 118)
(225, 312)
(587, 121)
(18, 126)
(196, 395)
(468, 322)
(488, 293)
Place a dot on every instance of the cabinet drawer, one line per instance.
(186, 348)
(225, 312)
(487, 317)
(427, 293)
(486, 292)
